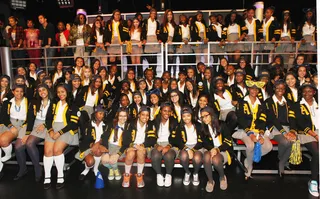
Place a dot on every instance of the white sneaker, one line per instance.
(210, 187)
(168, 180)
(223, 183)
(186, 179)
(313, 188)
(160, 180)
(195, 180)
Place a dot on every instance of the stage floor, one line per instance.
(262, 186)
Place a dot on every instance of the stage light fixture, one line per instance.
(65, 3)
(19, 4)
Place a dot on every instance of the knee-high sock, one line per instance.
(59, 161)
(86, 170)
(47, 163)
(7, 152)
(96, 164)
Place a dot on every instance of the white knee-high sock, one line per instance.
(47, 163)
(96, 165)
(7, 152)
(140, 168)
(127, 168)
(86, 170)
(59, 161)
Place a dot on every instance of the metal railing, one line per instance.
(164, 54)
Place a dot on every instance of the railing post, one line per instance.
(208, 54)
(45, 59)
(164, 68)
(252, 50)
(6, 63)
(121, 58)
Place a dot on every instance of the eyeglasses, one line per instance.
(202, 117)
(172, 96)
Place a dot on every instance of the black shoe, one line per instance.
(60, 185)
(81, 177)
(1, 175)
(47, 186)
(18, 177)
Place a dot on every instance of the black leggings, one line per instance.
(168, 158)
(196, 161)
(313, 147)
(216, 161)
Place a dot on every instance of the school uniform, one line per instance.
(279, 123)
(291, 94)
(305, 119)
(63, 119)
(198, 33)
(270, 30)
(14, 116)
(225, 104)
(93, 134)
(185, 137)
(86, 101)
(183, 33)
(163, 132)
(116, 146)
(37, 116)
(151, 33)
(116, 32)
(134, 110)
(216, 32)
(234, 32)
(136, 37)
(222, 141)
(99, 53)
(238, 92)
(255, 33)
(4, 96)
(55, 75)
(139, 135)
(287, 32)
(251, 119)
(308, 33)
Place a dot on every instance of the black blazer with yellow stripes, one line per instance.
(225, 138)
(108, 134)
(70, 118)
(144, 26)
(123, 31)
(179, 137)
(245, 117)
(272, 112)
(272, 30)
(5, 113)
(89, 136)
(303, 121)
(130, 137)
(34, 107)
(173, 123)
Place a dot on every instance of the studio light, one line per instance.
(65, 3)
(18, 4)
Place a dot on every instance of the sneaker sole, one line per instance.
(118, 178)
(186, 183)
(196, 184)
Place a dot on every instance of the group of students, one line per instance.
(193, 118)
(140, 36)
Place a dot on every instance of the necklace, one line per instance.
(17, 108)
